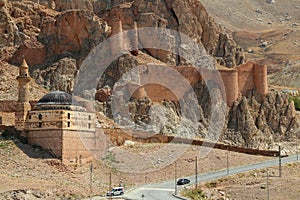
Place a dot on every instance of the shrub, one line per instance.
(195, 194)
(296, 101)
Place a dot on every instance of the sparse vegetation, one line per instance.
(296, 101)
(195, 194)
(211, 184)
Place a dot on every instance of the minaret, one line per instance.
(23, 96)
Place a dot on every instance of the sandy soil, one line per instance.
(23, 167)
(254, 185)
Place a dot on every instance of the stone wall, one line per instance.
(64, 133)
(230, 81)
(260, 78)
(76, 146)
(58, 119)
(171, 85)
(118, 137)
(252, 76)
(50, 140)
(71, 146)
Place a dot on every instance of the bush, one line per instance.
(195, 194)
(296, 101)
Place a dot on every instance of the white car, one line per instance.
(116, 191)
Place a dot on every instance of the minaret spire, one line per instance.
(23, 95)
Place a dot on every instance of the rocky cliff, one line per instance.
(56, 36)
(261, 122)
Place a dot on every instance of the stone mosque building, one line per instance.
(57, 122)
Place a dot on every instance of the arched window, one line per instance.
(69, 116)
(69, 124)
(40, 116)
(90, 117)
(40, 124)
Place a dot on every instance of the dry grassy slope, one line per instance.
(242, 15)
(253, 185)
(254, 22)
(25, 168)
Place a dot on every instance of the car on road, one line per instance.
(183, 181)
(116, 191)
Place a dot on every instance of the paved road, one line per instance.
(164, 190)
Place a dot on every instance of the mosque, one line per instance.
(57, 122)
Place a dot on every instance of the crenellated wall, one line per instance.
(230, 81)
(260, 78)
(237, 80)
(172, 83)
(252, 76)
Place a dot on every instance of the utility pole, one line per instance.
(227, 161)
(110, 188)
(175, 178)
(196, 172)
(279, 149)
(91, 178)
(297, 146)
(268, 191)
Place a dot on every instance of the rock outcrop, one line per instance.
(56, 36)
(73, 32)
(259, 122)
(57, 76)
(180, 16)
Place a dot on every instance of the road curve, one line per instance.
(164, 190)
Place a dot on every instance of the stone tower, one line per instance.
(23, 96)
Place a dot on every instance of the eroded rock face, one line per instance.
(57, 76)
(187, 17)
(8, 29)
(258, 122)
(74, 32)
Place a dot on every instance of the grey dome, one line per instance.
(57, 98)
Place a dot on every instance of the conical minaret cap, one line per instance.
(24, 64)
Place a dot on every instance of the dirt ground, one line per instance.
(258, 185)
(24, 168)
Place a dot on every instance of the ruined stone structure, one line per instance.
(236, 81)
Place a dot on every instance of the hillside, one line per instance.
(27, 171)
(269, 33)
(57, 37)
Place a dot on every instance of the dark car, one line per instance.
(183, 181)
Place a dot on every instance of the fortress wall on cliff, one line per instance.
(260, 78)
(230, 81)
(252, 76)
(245, 78)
